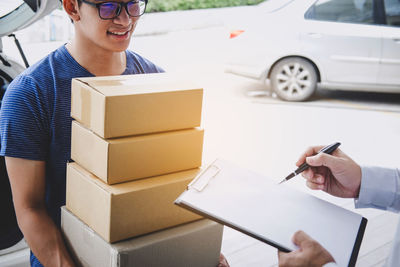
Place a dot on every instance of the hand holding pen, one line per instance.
(304, 166)
(336, 174)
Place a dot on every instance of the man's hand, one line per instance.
(222, 261)
(336, 174)
(309, 254)
(27, 180)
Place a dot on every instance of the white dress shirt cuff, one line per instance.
(378, 188)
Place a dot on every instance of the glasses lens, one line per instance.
(136, 8)
(108, 10)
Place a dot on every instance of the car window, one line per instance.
(350, 11)
(392, 10)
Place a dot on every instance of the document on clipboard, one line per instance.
(254, 205)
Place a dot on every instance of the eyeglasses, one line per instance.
(111, 9)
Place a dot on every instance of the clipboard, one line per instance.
(254, 205)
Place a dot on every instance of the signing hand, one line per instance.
(336, 174)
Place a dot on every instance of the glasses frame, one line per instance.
(120, 6)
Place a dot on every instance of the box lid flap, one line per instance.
(139, 84)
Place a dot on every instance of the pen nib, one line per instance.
(290, 176)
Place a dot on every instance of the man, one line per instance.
(340, 176)
(35, 124)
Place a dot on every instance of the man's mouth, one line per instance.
(119, 33)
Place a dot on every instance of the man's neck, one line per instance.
(97, 61)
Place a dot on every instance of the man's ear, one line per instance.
(72, 9)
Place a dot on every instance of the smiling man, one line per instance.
(35, 122)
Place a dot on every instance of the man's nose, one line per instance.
(123, 18)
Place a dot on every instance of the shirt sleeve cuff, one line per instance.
(378, 188)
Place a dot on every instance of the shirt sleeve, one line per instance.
(379, 189)
(23, 120)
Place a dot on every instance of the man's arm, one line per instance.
(27, 179)
(380, 189)
(336, 174)
(339, 175)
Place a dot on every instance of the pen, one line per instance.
(328, 150)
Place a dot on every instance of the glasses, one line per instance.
(111, 9)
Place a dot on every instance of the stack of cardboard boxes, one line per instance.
(136, 146)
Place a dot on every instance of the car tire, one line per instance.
(294, 79)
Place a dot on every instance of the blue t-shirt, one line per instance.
(35, 120)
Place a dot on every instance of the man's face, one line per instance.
(112, 35)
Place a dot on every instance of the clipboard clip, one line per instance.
(204, 177)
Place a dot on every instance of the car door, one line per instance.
(389, 68)
(18, 14)
(341, 34)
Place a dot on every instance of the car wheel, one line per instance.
(294, 79)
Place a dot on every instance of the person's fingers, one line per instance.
(317, 179)
(281, 253)
(281, 258)
(322, 159)
(308, 174)
(309, 152)
(285, 258)
(299, 237)
(317, 254)
(314, 175)
(315, 186)
(339, 153)
(222, 261)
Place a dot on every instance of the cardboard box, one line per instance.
(126, 210)
(130, 158)
(135, 104)
(196, 244)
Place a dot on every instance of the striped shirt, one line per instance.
(35, 120)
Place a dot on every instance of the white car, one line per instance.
(293, 46)
(14, 15)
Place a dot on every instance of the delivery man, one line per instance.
(35, 122)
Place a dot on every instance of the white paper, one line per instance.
(254, 204)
